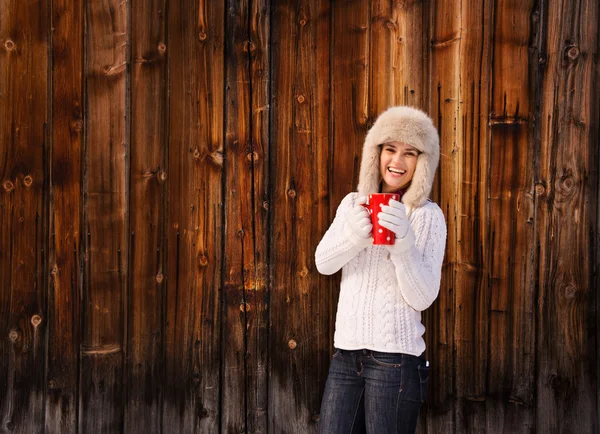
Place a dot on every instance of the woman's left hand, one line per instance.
(394, 218)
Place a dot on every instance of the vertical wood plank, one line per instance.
(409, 26)
(144, 367)
(23, 243)
(64, 304)
(239, 236)
(300, 301)
(106, 243)
(381, 57)
(511, 266)
(256, 284)
(443, 109)
(566, 183)
(195, 159)
(471, 287)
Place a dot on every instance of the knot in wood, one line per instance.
(13, 335)
(9, 45)
(54, 270)
(300, 99)
(28, 180)
(202, 35)
(572, 52)
(252, 156)
(10, 425)
(291, 193)
(162, 176)
(570, 291)
(303, 22)
(265, 205)
(162, 47)
(292, 344)
(76, 125)
(540, 189)
(203, 260)
(566, 183)
(160, 277)
(240, 233)
(196, 154)
(8, 186)
(52, 384)
(244, 307)
(303, 272)
(36, 320)
(316, 417)
(249, 46)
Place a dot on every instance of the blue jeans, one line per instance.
(372, 392)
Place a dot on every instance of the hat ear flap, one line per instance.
(421, 184)
(369, 177)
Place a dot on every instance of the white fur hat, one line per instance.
(408, 125)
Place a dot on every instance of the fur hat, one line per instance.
(408, 125)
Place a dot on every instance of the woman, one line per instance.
(378, 376)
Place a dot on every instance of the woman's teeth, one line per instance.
(398, 172)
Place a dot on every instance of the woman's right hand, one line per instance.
(359, 220)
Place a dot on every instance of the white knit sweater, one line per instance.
(382, 295)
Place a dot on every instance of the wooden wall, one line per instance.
(168, 168)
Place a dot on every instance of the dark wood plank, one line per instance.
(239, 235)
(147, 219)
(106, 241)
(23, 218)
(301, 313)
(256, 280)
(382, 50)
(196, 101)
(511, 259)
(64, 304)
(472, 250)
(443, 108)
(566, 186)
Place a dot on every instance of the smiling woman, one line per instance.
(397, 163)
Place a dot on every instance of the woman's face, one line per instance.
(397, 163)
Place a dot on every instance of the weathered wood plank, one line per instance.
(106, 243)
(566, 185)
(443, 108)
(511, 259)
(147, 219)
(300, 303)
(256, 282)
(472, 251)
(381, 58)
(23, 215)
(64, 304)
(409, 27)
(196, 101)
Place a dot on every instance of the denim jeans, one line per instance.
(372, 392)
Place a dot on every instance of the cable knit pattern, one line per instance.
(382, 294)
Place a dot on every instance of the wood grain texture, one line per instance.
(566, 182)
(300, 309)
(105, 209)
(192, 349)
(471, 327)
(66, 229)
(147, 220)
(444, 110)
(511, 222)
(23, 214)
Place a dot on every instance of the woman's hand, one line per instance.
(394, 218)
(359, 220)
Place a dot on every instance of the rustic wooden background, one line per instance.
(168, 168)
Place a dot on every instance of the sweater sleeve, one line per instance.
(339, 244)
(419, 269)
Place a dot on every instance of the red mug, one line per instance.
(374, 203)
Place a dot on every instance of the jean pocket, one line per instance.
(424, 381)
(389, 360)
(336, 353)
